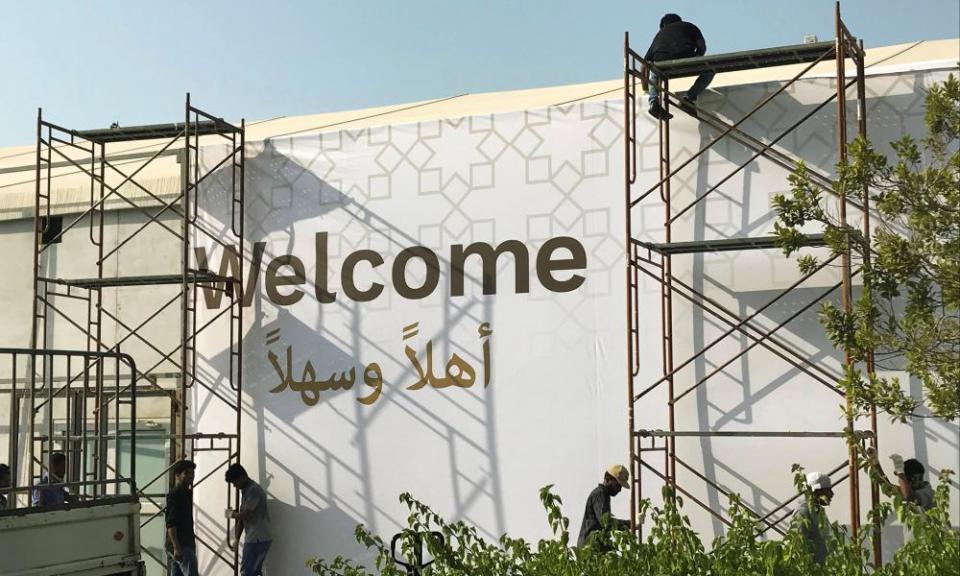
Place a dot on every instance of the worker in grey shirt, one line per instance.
(598, 504)
(253, 520)
(812, 517)
(912, 486)
(910, 483)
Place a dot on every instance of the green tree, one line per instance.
(907, 311)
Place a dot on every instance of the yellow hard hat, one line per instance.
(621, 474)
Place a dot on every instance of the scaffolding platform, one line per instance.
(745, 60)
(156, 131)
(722, 245)
(859, 434)
(193, 277)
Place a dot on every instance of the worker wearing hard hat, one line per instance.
(598, 504)
(812, 517)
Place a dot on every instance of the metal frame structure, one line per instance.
(71, 385)
(654, 261)
(89, 153)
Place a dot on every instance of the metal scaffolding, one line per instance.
(651, 449)
(65, 301)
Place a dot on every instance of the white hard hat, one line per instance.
(819, 481)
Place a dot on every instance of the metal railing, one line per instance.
(71, 405)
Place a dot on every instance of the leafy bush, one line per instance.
(671, 547)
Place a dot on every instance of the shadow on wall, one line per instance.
(729, 211)
(894, 104)
(312, 512)
(291, 546)
(737, 209)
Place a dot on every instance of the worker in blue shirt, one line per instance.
(47, 493)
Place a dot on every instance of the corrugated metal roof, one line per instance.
(71, 189)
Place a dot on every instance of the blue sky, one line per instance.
(91, 63)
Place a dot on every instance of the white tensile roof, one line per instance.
(71, 189)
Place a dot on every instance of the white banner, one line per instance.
(435, 308)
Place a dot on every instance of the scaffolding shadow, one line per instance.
(324, 486)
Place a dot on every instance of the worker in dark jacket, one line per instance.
(181, 536)
(598, 504)
(676, 39)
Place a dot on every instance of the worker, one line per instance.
(910, 479)
(50, 492)
(812, 518)
(911, 484)
(598, 504)
(913, 487)
(253, 521)
(676, 39)
(181, 538)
